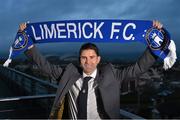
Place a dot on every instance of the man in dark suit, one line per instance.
(92, 91)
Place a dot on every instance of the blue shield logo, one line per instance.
(155, 38)
(20, 42)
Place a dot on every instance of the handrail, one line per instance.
(27, 83)
(8, 99)
(130, 115)
(29, 87)
(31, 77)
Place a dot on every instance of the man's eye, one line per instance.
(92, 57)
(83, 58)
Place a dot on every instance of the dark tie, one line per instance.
(82, 99)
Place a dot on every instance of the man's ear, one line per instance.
(99, 59)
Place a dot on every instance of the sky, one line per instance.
(14, 12)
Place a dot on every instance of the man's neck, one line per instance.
(93, 74)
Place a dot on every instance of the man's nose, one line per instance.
(87, 60)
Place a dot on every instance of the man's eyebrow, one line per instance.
(90, 56)
(93, 56)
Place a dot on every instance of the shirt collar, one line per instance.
(93, 75)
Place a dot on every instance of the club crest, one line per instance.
(21, 41)
(155, 38)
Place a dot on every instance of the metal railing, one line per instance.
(128, 115)
(31, 97)
(32, 85)
(28, 87)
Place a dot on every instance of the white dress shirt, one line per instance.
(92, 112)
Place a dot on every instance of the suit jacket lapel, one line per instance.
(98, 80)
(71, 75)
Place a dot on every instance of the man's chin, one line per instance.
(88, 71)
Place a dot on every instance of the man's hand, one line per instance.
(157, 24)
(30, 47)
(22, 27)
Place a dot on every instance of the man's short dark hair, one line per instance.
(87, 46)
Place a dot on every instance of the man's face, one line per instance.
(89, 60)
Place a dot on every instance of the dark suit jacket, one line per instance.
(108, 79)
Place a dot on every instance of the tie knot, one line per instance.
(87, 78)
